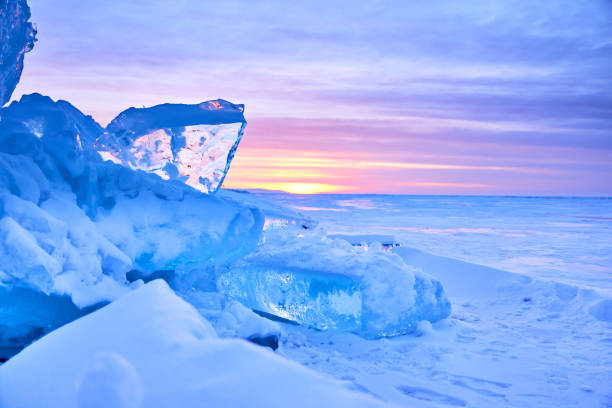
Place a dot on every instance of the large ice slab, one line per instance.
(191, 143)
(329, 284)
(151, 349)
(17, 36)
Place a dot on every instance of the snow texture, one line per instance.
(151, 349)
(539, 338)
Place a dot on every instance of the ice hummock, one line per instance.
(328, 284)
(73, 225)
(191, 143)
(17, 36)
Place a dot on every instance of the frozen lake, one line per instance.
(529, 280)
(562, 239)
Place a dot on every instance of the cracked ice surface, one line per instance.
(191, 143)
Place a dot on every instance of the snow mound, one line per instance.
(191, 143)
(329, 284)
(602, 310)
(151, 349)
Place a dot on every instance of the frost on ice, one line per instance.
(17, 36)
(191, 143)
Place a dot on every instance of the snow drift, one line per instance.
(151, 349)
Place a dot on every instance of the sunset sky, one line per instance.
(436, 97)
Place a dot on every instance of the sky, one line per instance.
(402, 97)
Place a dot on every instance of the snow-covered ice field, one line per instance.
(128, 279)
(530, 281)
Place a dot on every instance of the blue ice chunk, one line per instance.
(191, 143)
(65, 131)
(60, 139)
(316, 299)
(328, 284)
(27, 314)
(17, 36)
(20, 176)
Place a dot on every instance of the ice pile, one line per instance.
(72, 225)
(151, 349)
(75, 225)
(17, 36)
(328, 284)
(191, 143)
(78, 231)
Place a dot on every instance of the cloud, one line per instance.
(521, 82)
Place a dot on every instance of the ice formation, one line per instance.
(75, 225)
(17, 36)
(72, 225)
(191, 143)
(87, 214)
(328, 284)
(149, 348)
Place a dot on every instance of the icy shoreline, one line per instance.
(125, 282)
(511, 341)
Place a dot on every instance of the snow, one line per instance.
(318, 279)
(56, 249)
(151, 349)
(512, 339)
(17, 36)
(191, 143)
(565, 239)
(168, 234)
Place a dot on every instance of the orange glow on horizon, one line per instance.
(294, 188)
(291, 159)
(311, 172)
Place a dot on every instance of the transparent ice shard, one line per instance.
(191, 143)
(316, 299)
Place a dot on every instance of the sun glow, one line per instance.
(311, 172)
(296, 188)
